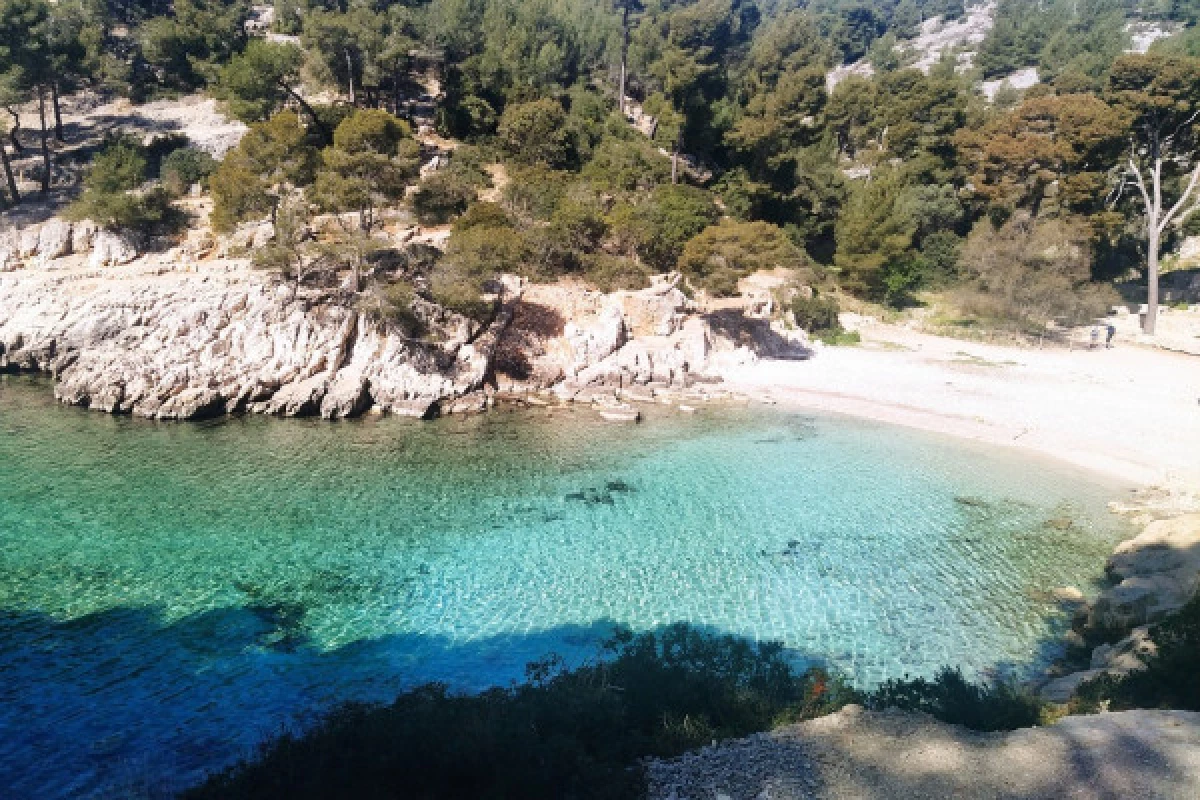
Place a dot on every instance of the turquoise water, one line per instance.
(170, 593)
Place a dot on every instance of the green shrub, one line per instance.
(566, 733)
(535, 192)
(536, 133)
(441, 196)
(722, 254)
(482, 215)
(612, 273)
(951, 698)
(839, 337)
(113, 197)
(186, 166)
(657, 227)
(817, 313)
(1171, 678)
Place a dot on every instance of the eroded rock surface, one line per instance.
(893, 754)
(185, 345)
(1157, 572)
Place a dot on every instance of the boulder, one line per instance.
(595, 340)
(301, 398)
(348, 396)
(54, 240)
(1158, 572)
(9, 257)
(192, 404)
(1060, 690)
(1127, 655)
(112, 249)
(27, 241)
(82, 234)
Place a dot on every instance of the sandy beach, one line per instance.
(1131, 413)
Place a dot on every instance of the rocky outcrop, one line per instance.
(112, 249)
(1156, 573)
(37, 245)
(587, 345)
(184, 346)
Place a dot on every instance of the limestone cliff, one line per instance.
(156, 342)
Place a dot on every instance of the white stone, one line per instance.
(111, 249)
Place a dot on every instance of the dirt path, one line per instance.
(867, 755)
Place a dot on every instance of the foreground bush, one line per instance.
(577, 733)
(1171, 678)
(951, 698)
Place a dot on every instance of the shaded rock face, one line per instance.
(582, 342)
(184, 347)
(1158, 572)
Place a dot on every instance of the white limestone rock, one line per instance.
(111, 249)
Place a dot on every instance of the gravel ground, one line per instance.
(860, 754)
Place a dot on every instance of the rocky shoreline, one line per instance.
(194, 333)
(171, 337)
(1153, 574)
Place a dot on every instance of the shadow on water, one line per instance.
(125, 703)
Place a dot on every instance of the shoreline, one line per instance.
(1121, 414)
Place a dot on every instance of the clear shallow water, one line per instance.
(170, 593)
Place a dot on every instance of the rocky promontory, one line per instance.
(193, 332)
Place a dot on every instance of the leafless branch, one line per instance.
(1162, 225)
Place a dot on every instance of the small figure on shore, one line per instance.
(1112, 331)
(1095, 337)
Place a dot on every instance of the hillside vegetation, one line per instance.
(739, 156)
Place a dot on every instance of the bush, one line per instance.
(627, 165)
(441, 196)
(186, 166)
(721, 255)
(1030, 271)
(113, 197)
(815, 314)
(1171, 678)
(536, 133)
(535, 192)
(951, 698)
(613, 273)
(657, 227)
(482, 215)
(577, 733)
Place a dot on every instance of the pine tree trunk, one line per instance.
(1151, 321)
(675, 165)
(58, 123)
(16, 129)
(45, 140)
(312, 114)
(8, 174)
(350, 78)
(624, 57)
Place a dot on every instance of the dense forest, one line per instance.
(1023, 209)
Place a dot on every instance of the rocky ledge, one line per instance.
(877, 754)
(178, 345)
(1153, 574)
(174, 336)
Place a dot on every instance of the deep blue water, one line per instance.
(171, 593)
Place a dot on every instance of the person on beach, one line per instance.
(1095, 337)
(1112, 331)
